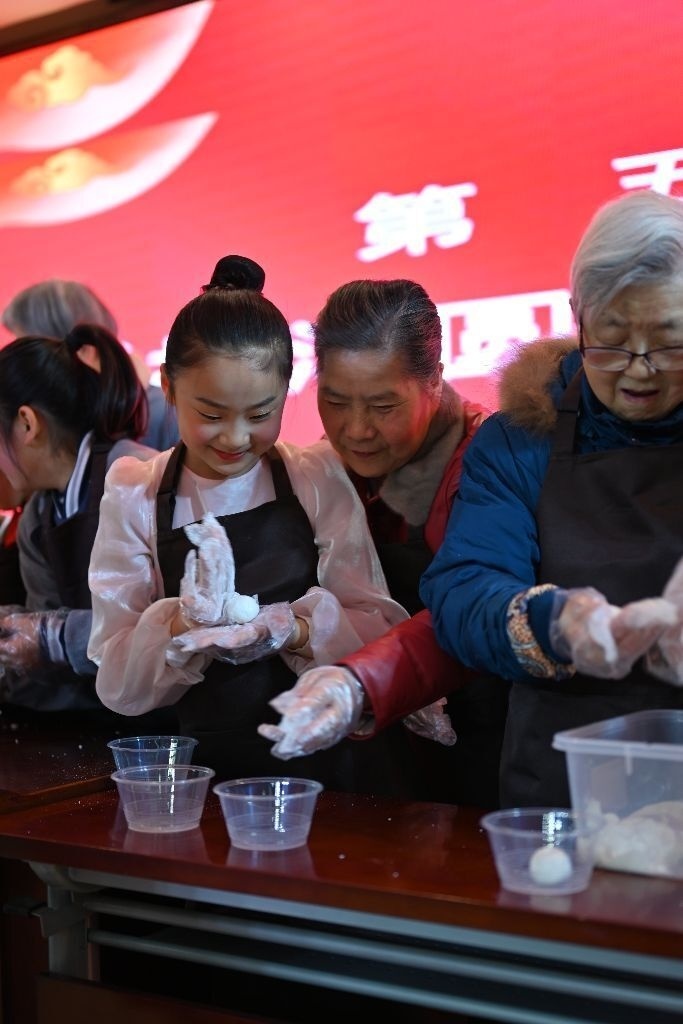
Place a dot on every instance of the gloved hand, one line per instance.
(207, 589)
(323, 707)
(432, 723)
(665, 658)
(29, 639)
(604, 640)
(266, 634)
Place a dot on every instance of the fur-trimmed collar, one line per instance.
(410, 489)
(525, 380)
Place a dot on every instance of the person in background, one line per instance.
(401, 432)
(62, 425)
(53, 307)
(224, 568)
(569, 522)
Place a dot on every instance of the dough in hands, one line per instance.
(241, 608)
(215, 549)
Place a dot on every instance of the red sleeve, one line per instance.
(405, 670)
(9, 537)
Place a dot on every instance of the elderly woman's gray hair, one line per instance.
(52, 308)
(635, 239)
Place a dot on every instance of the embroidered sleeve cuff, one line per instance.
(525, 646)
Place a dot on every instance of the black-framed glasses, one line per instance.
(615, 360)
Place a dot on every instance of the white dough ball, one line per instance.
(242, 608)
(549, 865)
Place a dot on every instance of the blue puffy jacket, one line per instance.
(490, 552)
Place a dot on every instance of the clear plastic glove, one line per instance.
(239, 643)
(207, 589)
(604, 640)
(665, 659)
(432, 723)
(31, 639)
(323, 707)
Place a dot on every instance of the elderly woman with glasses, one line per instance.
(558, 571)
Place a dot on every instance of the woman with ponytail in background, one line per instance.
(62, 424)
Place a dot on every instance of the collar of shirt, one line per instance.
(197, 495)
(67, 503)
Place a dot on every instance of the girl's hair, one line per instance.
(635, 239)
(49, 376)
(231, 317)
(52, 308)
(389, 316)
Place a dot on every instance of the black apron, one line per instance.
(466, 773)
(403, 565)
(276, 558)
(68, 545)
(12, 590)
(612, 520)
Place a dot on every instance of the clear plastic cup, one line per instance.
(138, 751)
(268, 813)
(163, 798)
(541, 850)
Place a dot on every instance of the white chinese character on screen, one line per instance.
(408, 221)
(665, 169)
(478, 333)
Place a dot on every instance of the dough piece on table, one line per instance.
(640, 843)
(549, 865)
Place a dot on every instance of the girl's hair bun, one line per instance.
(237, 272)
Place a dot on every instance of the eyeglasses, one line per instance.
(616, 359)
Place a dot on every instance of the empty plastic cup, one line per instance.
(268, 813)
(138, 751)
(163, 798)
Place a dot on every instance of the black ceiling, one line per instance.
(83, 17)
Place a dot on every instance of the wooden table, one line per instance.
(391, 902)
(39, 764)
(44, 758)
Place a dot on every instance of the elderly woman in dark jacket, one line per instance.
(569, 521)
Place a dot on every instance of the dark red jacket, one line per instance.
(406, 669)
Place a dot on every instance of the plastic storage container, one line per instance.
(626, 780)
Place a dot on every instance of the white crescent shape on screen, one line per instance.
(108, 191)
(105, 106)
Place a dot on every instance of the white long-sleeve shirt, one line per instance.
(130, 639)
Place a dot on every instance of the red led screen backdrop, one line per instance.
(462, 145)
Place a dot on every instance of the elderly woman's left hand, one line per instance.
(604, 640)
(323, 707)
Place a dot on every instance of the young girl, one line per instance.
(295, 526)
(61, 426)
